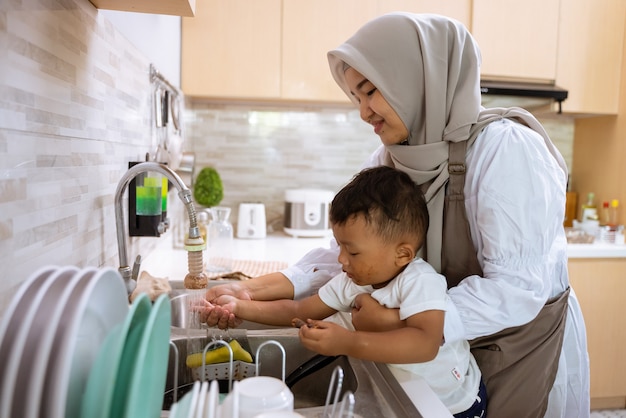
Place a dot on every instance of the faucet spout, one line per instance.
(130, 274)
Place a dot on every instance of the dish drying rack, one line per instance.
(336, 380)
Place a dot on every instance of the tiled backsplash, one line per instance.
(260, 151)
(75, 107)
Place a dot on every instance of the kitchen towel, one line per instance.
(247, 269)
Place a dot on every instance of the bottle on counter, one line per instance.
(589, 209)
(203, 220)
(604, 214)
(220, 240)
(613, 218)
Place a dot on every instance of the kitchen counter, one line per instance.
(170, 262)
(166, 261)
(596, 250)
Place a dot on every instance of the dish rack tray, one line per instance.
(239, 370)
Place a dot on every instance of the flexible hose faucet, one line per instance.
(193, 242)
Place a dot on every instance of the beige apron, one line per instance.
(518, 364)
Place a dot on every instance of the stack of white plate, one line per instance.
(202, 401)
(65, 331)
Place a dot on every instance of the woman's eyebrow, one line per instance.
(358, 86)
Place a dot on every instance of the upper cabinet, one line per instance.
(589, 62)
(574, 44)
(276, 49)
(232, 49)
(160, 7)
(517, 39)
(310, 30)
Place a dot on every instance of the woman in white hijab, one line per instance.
(496, 213)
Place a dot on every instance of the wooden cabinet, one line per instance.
(160, 7)
(276, 49)
(518, 39)
(574, 44)
(456, 9)
(232, 49)
(589, 63)
(310, 30)
(600, 285)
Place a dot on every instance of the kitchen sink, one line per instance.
(184, 318)
(376, 391)
(309, 391)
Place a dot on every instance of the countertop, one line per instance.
(170, 262)
(596, 250)
(166, 261)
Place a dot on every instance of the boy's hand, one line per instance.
(369, 315)
(325, 338)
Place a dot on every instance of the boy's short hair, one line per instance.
(389, 201)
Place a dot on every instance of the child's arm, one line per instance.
(369, 315)
(418, 342)
(276, 312)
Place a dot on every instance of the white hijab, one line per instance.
(427, 67)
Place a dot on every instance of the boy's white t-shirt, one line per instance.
(453, 375)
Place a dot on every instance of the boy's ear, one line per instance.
(404, 254)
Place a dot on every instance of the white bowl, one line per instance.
(263, 394)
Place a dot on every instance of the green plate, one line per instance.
(149, 368)
(131, 341)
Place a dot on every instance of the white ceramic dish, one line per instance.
(195, 395)
(182, 408)
(204, 392)
(213, 400)
(15, 326)
(145, 396)
(97, 304)
(263, 394)
(37, 352)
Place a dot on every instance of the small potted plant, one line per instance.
(208, 189)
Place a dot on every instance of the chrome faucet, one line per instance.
(194, 239)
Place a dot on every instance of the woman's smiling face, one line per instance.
(375, 110)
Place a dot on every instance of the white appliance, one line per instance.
(251, 221)
(306, 212)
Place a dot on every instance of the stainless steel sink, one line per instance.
(376, 391)
(184, 318)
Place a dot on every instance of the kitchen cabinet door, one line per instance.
(518, 39)
(310, 30)
(591, 41)
(232, 49)
(456, 9)
(600, 285)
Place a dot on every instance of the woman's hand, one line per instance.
(369, 315)
(215, 310)
(268, 287)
